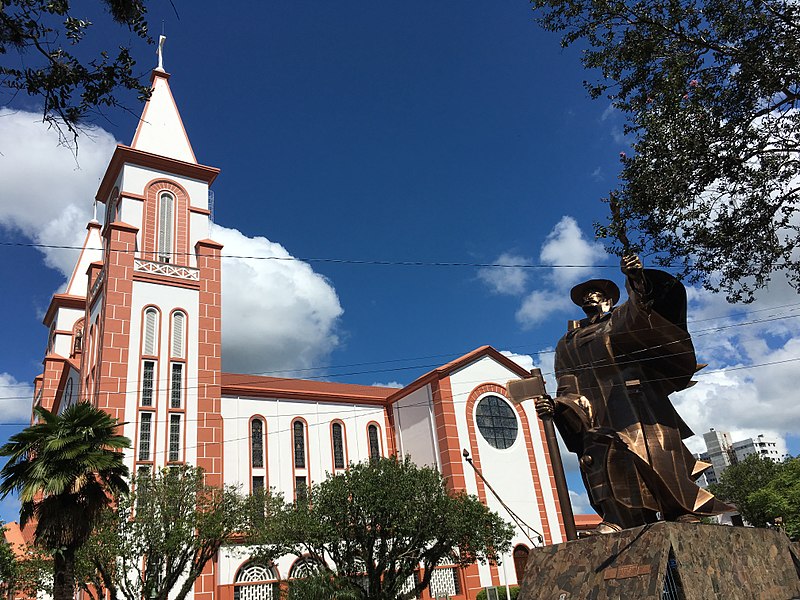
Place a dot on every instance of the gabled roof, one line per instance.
(457, 364)
(92, 251)
(302, 389)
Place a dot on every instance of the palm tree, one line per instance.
(65, 468)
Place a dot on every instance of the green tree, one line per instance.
(709, 90)
(26, 572)
(50, 63)
(780, 499)
(66, 469)
(740, 483)
(159, 537)
(379, 522)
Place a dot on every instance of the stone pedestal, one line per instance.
(694, 561)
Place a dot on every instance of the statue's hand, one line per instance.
(631, 266)
(545, 407)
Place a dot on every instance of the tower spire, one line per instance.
(160, 52)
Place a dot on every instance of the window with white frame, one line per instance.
(148, 381)
(256, 581)
(444, 579)
(174, 438)
(178, 329)
(176, 385)
(145, 435)
(166, 224)
(150, 337)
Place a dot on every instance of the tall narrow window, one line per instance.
(148, 382)
(300, 489)
(257, 443)
(149, 342)
(374, 442)
(166, 217)
(338, 445)
(174, 438)
(258, 485)
(178, 320)
(146, 421)
(299, 445)
(176, 386)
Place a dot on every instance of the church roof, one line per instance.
(302, 389)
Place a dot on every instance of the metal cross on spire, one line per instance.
(160, 52)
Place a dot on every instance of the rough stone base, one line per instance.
(711, 561)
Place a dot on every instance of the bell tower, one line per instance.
(153, 315)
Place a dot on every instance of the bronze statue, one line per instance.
(615, 370)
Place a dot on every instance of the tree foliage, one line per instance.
(66, 469)
(25, 571)
(710, 92)
(378, 523)
(159, 537)
(764, 491)
(50, 63)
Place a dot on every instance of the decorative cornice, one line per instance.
(127, 155)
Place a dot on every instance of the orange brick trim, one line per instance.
(209, 327)
(447, 434)
(115, 320)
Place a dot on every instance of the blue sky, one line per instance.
(398, 132)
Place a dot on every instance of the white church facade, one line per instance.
(137, 332)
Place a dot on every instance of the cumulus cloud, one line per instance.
(277, 314)
(523, 360)
(570, 252)
(48, 192)
(753, 353)
(580, 503)
(16, 397)
(391, 384)
(510, 280)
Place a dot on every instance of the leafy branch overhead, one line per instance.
(43, 51)
(710, 91)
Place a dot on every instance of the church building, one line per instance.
(137, 332)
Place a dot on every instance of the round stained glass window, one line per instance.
(496, 422)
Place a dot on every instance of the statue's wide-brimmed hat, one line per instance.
(608, 287)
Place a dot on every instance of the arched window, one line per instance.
(299, 441)
(257, 443)
(178, 329)
(150, 338)
(520, 561)
(256, 581)
(374, 442)
(444, 580)
(149, 348)
(337, 441)
(166, 225)
(305, 567)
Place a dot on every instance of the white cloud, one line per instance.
(16, 399)
(580, 503)
(539, 305)
(48, 192)
(506, 280)
(391, 384)
(276, 314)
(572, 255)
(523, 360)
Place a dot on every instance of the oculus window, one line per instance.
(496, 422)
